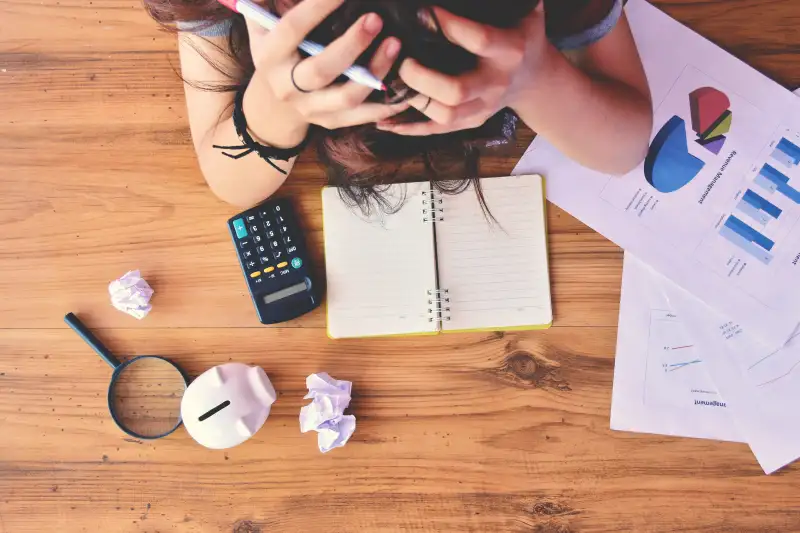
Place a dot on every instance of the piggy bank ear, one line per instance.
(262, 386)
(216, 377)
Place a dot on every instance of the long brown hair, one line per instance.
(362, 160)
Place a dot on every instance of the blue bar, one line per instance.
(757, 201)
(789, 192)
(783, 158)
(775, 176)
(746, 245)
(764, 183)
(749, 233)
(789, 148)
(756, 214)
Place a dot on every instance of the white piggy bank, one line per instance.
(227, 405)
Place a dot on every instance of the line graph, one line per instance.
(776, 365)
(674, 374)
(678, 366)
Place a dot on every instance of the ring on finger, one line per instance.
(426, 106)
(294, 82)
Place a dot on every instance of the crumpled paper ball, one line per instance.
(325, 414)
(131, 294)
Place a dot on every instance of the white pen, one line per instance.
(268, 21)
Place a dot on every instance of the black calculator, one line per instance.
(274, 259)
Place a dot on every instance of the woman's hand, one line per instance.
(275, 55)
(509, 60)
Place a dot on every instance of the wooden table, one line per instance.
(483, 432)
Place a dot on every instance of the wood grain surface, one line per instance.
(480, 432)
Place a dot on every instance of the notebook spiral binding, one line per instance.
(438, 309)
(432, 208)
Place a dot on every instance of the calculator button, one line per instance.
(241, 229)
(264, 259)
(260, 249)
(247, 254)
(250, 265)
(250, 219)
(297, 262)
(283, 265)
(280, 219)
(244, 244)
(291, 249)
(270, 234)
(284, 229)
(277, 254)
(264, 213)
(257, 239)
(254, 228)
(287, 240)
(255, 274)
(259, 281)
(277, 208)
(274, 245)
(268, 224)
(268, 270)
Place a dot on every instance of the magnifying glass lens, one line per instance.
(145, 397)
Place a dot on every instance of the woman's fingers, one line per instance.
(444, 119)
(296, 24)
(449, 90)
(351, 94)
(447, 115)
(480, 39)
(321, 70)
(363, 114)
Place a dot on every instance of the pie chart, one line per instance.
(711, 117)
(669, 165)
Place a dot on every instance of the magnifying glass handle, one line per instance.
(79, 328)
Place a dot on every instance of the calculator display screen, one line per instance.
(284, 293)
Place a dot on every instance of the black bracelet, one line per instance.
(250, 145)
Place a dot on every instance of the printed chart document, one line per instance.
(760, 385)
(715, 207)
(660, 380)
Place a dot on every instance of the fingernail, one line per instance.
(392, 48)
(373, 23)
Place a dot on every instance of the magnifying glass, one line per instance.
(144, 396)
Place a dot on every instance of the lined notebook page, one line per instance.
(496, 274)
(380, 269)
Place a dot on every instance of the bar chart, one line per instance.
(748, 239)
(787, 153)
(758, 208)
(772, 179)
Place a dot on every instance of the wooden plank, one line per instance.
(501, 432)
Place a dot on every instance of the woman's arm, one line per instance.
(595, 108)
(277, 113)
(248, 180)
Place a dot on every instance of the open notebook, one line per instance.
(438, 265)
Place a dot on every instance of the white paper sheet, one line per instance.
(686, 234)
(660, 381)
(760, 385)
(645, 400)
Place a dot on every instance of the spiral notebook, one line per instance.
(439, 265)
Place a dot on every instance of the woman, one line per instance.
(456, 69)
